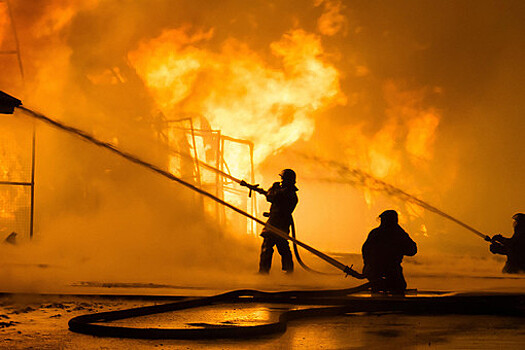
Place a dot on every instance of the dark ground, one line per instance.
(32, 321)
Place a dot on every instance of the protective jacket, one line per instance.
(386, 245)
(513, 248)
(284, 200)
(383, 253)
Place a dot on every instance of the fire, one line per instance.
(420, 123)
(15, 175)
(58, 16)
(269, 96)
(239, 92)
(332, 20)
(420, 138)
(405, 139)
(424, 230)
(409, 129)
(236, 89)
(54, 20)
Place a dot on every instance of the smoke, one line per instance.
(358, 177)
(423, 95)
(116, 227)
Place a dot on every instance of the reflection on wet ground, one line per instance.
(40, 322)
(212, 316)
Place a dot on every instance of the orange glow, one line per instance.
(421, 133)
(331, 21)
(6, 204)
(4, 22)
(406, 137)
(239, 93)
(54, 20)
(410, 126)
(59, 15)
(412, 106)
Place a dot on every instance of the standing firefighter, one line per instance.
(284, 199)
(383, 253)
(513, 248)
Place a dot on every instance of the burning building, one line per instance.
(362, 102)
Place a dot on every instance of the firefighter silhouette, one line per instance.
(284, 199)
(513, 248)
(383, 253)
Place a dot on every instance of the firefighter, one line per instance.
(513, 248)
(284, 200)
(383, 253)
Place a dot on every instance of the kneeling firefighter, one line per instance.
(284, 199)
(383, 252)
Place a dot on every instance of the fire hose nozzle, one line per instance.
(252, 188)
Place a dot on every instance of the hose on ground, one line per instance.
(341, 302)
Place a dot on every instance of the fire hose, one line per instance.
(90, 323)
(340, 302)
(15, 103)
(9, 103)
(339, 299)
(303, 264)
(255, 188)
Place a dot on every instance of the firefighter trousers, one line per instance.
(386, 278)
(265, 262)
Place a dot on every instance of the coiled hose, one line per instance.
(341, 303)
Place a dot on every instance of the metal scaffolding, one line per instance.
(191, 148)
(14, 51)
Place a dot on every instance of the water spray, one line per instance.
(9, 103)
(356, 176)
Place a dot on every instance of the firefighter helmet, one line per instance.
(388, 216)
(288, 175)
(519, 220)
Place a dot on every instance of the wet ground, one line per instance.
(40, 322)
(34, 311)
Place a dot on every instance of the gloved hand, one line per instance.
(497, 238)
(498, 248)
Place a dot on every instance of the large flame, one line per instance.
(267, 94)
(236, 89)
(274, 105)
(404, 140)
